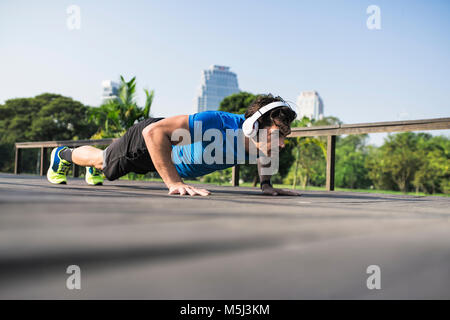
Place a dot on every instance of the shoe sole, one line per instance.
(94, 184)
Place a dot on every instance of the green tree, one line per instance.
(433, 174)
(45, 117)
(326, 121)
(396, 160)
(375, 163)
(351, 155)
(237, 103)
(309, 163)
(107, 119)
(218, 177)
(61, 119)
(310, 153)
(115, 116)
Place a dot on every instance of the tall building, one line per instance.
(110, 90)
(217, 83)
(310, 105)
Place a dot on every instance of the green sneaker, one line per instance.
(93, 176)
(57, 172)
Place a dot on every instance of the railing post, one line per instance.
(235, 176)
(331, 150)
(44, 162)
(75, 171)
(17, 161)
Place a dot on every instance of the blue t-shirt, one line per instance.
(214, 144)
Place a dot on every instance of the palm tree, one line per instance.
(106, 117)
(117, 115)
(129, 112)
(148, 103)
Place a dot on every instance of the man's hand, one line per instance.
(183, 189)
(271, 191)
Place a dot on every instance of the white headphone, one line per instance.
(250, 125)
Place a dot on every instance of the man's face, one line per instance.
(265, 144)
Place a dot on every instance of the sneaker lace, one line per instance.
(96, 172)
(63, 168)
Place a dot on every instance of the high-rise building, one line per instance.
(309, 104)
(217, 83)
(110, 90)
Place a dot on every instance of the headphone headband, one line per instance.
(250, 126)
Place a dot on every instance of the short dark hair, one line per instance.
(281, 117)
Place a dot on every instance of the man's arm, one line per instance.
(157, 138)
(267, 188)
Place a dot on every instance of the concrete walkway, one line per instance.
(132, 240)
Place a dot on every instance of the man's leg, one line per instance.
(88, 156)
(124, 155)
(92, 159)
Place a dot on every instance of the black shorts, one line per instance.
(129, 153)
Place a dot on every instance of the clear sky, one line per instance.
(401, 71)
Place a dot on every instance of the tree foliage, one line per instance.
(237, 103)
(45, 117)
(411, 160)
(116, 115)
(433, 175)
(351, 156)
(309, 154)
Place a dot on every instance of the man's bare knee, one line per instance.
(88, 156)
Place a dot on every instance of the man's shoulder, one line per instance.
(220, 116)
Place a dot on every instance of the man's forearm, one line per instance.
(160, 149)
(157, 137)
(261, 176)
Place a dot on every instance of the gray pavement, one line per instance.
(132, 240)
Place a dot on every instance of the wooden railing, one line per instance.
(45, 145)
(329, 131)
(359, 128)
